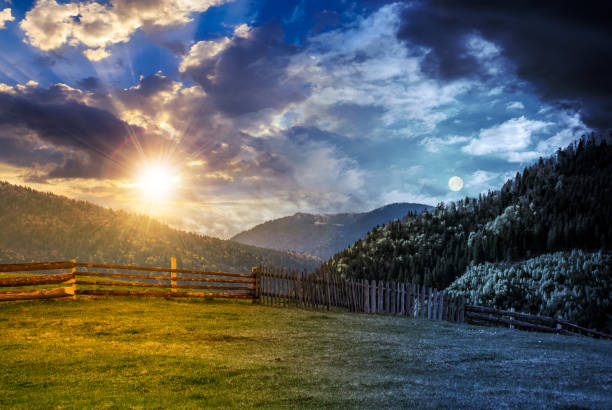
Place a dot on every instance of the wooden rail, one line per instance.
(176, 284)
(25, 267)
(481, 315)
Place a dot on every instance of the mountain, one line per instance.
(322, 235)
(558, 204)
(36, 226)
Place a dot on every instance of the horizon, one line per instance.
(220, 116)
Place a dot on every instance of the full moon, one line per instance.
(455, 183)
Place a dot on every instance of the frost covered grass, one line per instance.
(129, 352)
(576, 285)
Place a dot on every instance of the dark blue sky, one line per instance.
(261, 109)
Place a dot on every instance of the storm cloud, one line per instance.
(561, 48)
(248, 72)
(87, 136)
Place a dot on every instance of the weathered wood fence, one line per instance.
(120, 280)
(40, 274)
(481, 315)
(293, 288)
(279, 287)
(268, 286)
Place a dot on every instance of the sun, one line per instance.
(157, 182)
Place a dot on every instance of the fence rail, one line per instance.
(118, 279)
(481, 315)
(292, 288)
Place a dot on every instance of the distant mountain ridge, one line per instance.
(323, 235)
(37, 226)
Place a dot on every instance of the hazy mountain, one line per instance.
(322, 235)
(36, 226)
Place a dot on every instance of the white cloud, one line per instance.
(506, 138)
(572, 128)
(481, 48)
(96, 54)
(515, 105)
(95, 26)
(433, 144)
(480, 178)
(487, 53)
(204, 50)
(5, 15)
(367, 66)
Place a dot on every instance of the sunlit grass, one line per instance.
(132, 352)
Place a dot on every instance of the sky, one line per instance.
(216, 115)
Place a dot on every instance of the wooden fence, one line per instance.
(280, 287)
(480, 315)
(293, 288)
(49, 273)
(267, 286)
(120, 280)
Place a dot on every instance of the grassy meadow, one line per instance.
(160, 353)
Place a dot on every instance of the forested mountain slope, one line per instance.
(323, 235)
(36, 226)
(560, 203)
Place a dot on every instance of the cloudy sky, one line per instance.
(250, 110)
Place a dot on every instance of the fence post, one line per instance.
(392, 298)
(414, 300)
(429, 299)
(327, 279)
(386, 296)
(434, 310)
(173, 274)
(402, 298)
(366, 295)
(379, 297)
(558, 323)
(255, 272)
(511, 318)
(373, 304)
(301, 290)
(423, 290)
(72, 271)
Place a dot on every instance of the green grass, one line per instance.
(159, 353)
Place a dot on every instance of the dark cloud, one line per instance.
(562, 48)
(67, 124)
(90, 84)
(89, 137)
(153, 84)
(177, 47)
(251, 74)
(25, 153)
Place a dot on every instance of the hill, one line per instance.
(560, 203)
(36, 226)
(323, 235)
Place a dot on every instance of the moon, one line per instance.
(455, 183)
